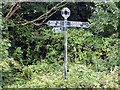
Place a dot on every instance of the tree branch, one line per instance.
(13, 9)
(47, 14)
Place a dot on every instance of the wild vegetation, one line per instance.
(32, 55)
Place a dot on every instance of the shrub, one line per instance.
(79, 76)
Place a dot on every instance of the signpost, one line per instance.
(60, 23)
(58, 29)
(61, 26)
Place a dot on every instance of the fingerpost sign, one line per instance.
(61, 26)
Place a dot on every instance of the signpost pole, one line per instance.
(65, 12)
(65, 50)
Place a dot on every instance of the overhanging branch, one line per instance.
(12, 10)
(46, 15)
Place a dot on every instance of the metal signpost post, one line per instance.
(61, 26)
(65, 13)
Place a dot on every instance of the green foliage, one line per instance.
(4, 45)
(4, 41)
(5, 60)
(33, 56)
(18, 54)
(104, 20)
(47, 75)
(83, 46)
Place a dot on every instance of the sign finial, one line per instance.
(65, 12)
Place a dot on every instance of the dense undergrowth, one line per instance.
(94, 65)
(47, 75)
(32, 56)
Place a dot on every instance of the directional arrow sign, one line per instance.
(54, 23)
(58, 29)
(69, 23)
(78, 24)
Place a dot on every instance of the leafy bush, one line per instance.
(5, 44)
(5, 72)
(51, 76)
(83, 46)
(104, 20)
